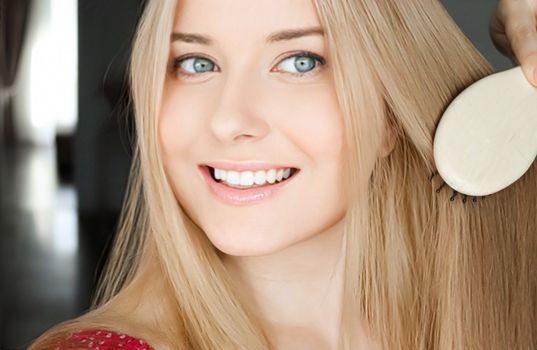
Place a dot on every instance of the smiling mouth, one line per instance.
(266, 183)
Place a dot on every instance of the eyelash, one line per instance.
(318, 59)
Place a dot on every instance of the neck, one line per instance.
(298, 288)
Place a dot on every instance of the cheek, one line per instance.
(180, 122)
(313, 120)
(179, 129)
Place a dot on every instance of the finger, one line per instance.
(498, 36)
(502, 44)
(497, 30)
(521, 31)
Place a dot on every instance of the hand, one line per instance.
(513, 30)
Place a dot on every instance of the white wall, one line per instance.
(46, 88)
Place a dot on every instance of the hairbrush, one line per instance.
(486, 138)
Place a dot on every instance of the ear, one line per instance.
(390, 137)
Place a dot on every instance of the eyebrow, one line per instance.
(283, 35)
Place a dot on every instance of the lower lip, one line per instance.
(235, 196)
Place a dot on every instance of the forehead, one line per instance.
(245, 20)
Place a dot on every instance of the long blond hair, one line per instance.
(422, 271)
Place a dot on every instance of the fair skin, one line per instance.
(513, 29)
(286, 250)
(241, 103)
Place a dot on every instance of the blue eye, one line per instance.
(196, 63)
(304, 63)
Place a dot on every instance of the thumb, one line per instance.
(529, 67)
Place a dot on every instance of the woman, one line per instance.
(280, 195)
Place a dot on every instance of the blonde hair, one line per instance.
(422, 271)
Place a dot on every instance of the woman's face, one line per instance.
(239, 102)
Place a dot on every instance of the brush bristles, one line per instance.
(455, 193)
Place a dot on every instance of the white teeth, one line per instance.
(286, 173)
(251, 178)
(279, 175)
(233, 177)
(247, 178)
(259, 177)
(271, 176)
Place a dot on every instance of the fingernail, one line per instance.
(531, 75)
(532, 72)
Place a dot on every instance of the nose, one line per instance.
(236, 116)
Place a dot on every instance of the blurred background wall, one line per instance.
(65, 153)
(64, 157)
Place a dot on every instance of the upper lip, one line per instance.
(244, 166)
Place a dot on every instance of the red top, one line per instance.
(96, 339)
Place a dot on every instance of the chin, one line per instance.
(242, 244)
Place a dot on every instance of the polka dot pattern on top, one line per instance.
(102, 340)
